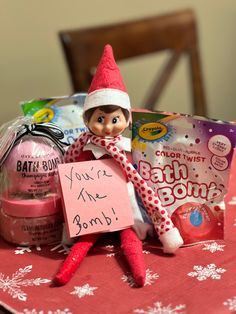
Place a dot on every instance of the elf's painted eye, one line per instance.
(100, 119)
(115, 120)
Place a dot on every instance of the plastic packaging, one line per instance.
(31, 211)
(64, 111)
(186, 160)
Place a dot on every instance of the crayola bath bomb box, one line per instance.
(186, 161)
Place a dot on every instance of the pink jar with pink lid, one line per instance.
(31, 222)
(31, 211)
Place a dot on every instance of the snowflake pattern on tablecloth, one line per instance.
(113, 251)
(119, 252)
(109, 247)
(34, 311)
(231, 303)
(213, 247)
(13, 285)
(210, 271)
(111, 254)
(150, 277)
(20, 250)
(83, 291)
(158, 308)
(149, 280)
(59, 247)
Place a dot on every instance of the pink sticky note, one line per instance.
(95, 197)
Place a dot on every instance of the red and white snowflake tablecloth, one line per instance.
(198, 279)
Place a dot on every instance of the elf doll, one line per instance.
(107, 115)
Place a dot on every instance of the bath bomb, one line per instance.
(31, 168)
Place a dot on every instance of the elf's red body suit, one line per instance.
(130, 238)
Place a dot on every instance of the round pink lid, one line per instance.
(32, 207)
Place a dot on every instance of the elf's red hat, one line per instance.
(107, 87)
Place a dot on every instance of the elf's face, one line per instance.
(107, 124)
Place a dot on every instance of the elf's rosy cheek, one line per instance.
(96, 128)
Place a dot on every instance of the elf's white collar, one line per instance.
(124, 144)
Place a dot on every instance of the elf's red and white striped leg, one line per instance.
(133, 251)
(77, 254)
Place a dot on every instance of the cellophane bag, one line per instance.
(31, 211)
(64, 111)
(186, 161)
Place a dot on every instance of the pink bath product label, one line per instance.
(186, 160)
(30, 169)
(31, 231)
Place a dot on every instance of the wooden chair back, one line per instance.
(175, 32)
